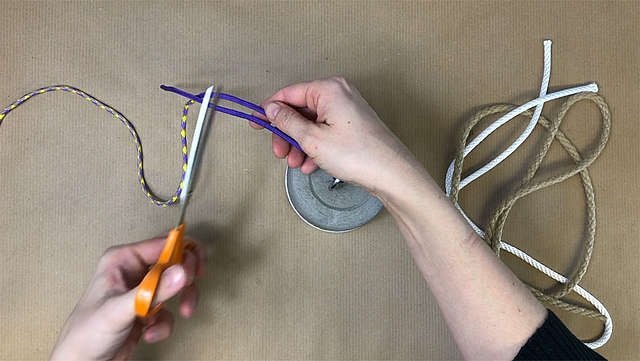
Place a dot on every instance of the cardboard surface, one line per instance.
(276, 288)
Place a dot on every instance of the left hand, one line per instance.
(103, 325)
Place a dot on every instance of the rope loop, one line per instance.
(493, 232)
(499, 215)
(528, 184)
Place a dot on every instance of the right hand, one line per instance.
(104, 326)
(338, 131)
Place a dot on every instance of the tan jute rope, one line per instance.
(529, 185)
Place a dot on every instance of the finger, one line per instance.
(289, 120)
(130, 343)
(160, 329)
(134, 256)
(188, 301)
(308, 166)
(308, 113)
(298, 95)
(295, 158)
(280, 146)
(307, 94)
(120, 309)
(201, 256)
(255, 125)
(172, 281)
(190, 266)
(149, 250)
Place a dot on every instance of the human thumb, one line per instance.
(288, 120)
(121, 308)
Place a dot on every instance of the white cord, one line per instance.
(194, 151)
(538, 103)
(498, 123)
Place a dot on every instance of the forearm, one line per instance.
(490, 313)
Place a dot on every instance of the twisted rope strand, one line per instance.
(493, 235)
(499, 215)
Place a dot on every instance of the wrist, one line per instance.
(420, 207)
(404, 184)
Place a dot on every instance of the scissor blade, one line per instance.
(196, 150)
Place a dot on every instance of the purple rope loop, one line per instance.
(236, 113)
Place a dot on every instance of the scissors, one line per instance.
(175, 246)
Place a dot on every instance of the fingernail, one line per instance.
(175, 274)
(187, 311)
(151, 336)
(272, 110)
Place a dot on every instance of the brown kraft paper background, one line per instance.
(275, 288)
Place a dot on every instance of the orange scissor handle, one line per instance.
(171, 254)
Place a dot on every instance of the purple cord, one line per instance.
(236, 113)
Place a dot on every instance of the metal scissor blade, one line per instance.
(196, 150)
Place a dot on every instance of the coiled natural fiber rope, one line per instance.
(529, 185)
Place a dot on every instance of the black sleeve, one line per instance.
(553, 341)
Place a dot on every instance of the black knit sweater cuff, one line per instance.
(553, 341)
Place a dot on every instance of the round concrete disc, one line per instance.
(341, 209)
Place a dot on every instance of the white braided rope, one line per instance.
(538, 103)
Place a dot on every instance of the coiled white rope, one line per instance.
(538, 103)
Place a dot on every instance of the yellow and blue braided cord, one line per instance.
(132, 131)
